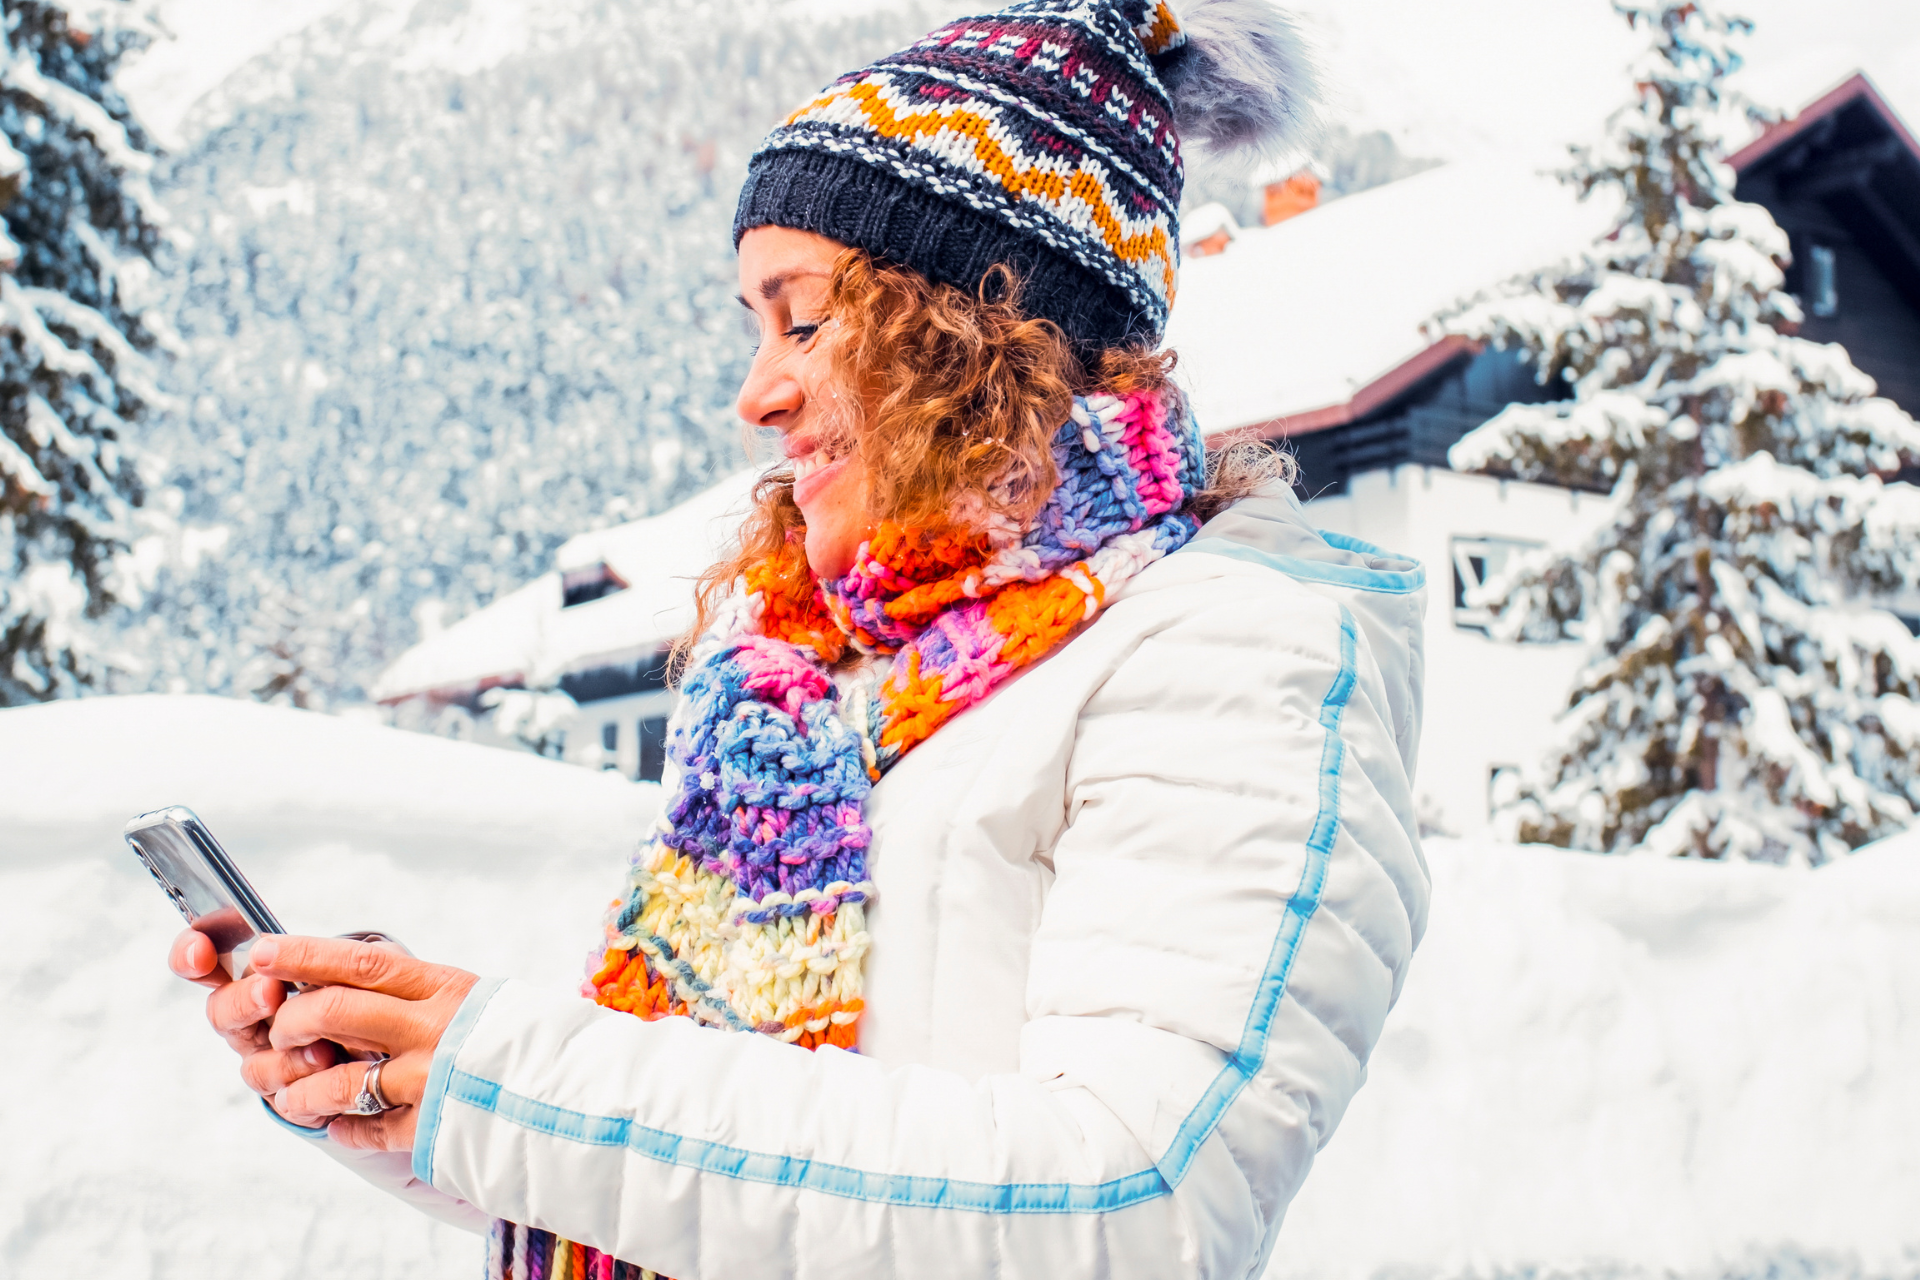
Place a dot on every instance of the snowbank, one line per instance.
(1301, 315)
(131, 1148)
(1634, 1065)
(1607, 1065)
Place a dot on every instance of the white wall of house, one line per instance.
(588, 731)
(1489, 705)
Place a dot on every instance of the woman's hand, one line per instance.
(241, 1012)
(369, 998)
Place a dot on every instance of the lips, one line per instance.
(812, 475)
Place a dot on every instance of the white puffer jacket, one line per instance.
(1139, 918)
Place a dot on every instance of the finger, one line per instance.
(238, 1006)
(342, 962)
(328, 1093)
(388, 1131)
(354, 1018)
(194, 957)
(322, 1095)
(271, 1070)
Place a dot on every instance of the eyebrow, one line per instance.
(774, 285)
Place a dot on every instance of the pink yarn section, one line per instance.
(1153, 451)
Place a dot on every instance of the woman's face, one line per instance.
(783, 282)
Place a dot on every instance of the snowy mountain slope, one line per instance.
(1457, 81)
(1612, 1066)
(460, 286)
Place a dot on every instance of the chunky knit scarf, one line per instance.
(746, 909)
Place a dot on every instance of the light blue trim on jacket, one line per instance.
(933, 1192)
(902, 1189)
(433, 1097)
(1398, 582)
(311, 1135)
(1248, 1058)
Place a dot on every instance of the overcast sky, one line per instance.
(1453, 79)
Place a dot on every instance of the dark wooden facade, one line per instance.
(1842, 179)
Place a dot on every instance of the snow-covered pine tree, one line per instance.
(81, 227)
(1745, 699)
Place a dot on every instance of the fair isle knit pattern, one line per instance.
(746, 909)
(1047, 120)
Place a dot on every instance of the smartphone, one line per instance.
(203, 882)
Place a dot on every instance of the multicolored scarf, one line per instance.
(746, 910)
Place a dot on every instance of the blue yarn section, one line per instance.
(800, 780)
(1098, 497)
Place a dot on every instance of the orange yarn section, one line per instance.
(1032, 618)
(915, 706)
(1036, 616)
(1160, 36)
(1031, 181)
(795, 611)
(939, 562)
(625, 981)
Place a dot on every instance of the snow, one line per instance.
(144, 1155)
(1300, 316)
(1611, 1065)
(1636, 1065)
(527, 635)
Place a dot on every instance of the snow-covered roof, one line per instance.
(528, 637)
(1301, 316)
(1209, 219)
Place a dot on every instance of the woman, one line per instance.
(1057, 799)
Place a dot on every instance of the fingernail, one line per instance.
(317, 1056)
(263, 952)
(280, 1102)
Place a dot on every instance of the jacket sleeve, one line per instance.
(1236, 899)
(391, 1171)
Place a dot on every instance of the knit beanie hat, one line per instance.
(1046, 137)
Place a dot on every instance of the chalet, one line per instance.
(596, 629)
(1313, 331)
(1311, 328)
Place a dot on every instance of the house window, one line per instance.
(609, 746)
(1475, 561)
(653, 748)
(1823, 284)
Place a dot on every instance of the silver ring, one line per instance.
(371, 1101)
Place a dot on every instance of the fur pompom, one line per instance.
(1243, 81)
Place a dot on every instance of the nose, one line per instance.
(771, 396)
